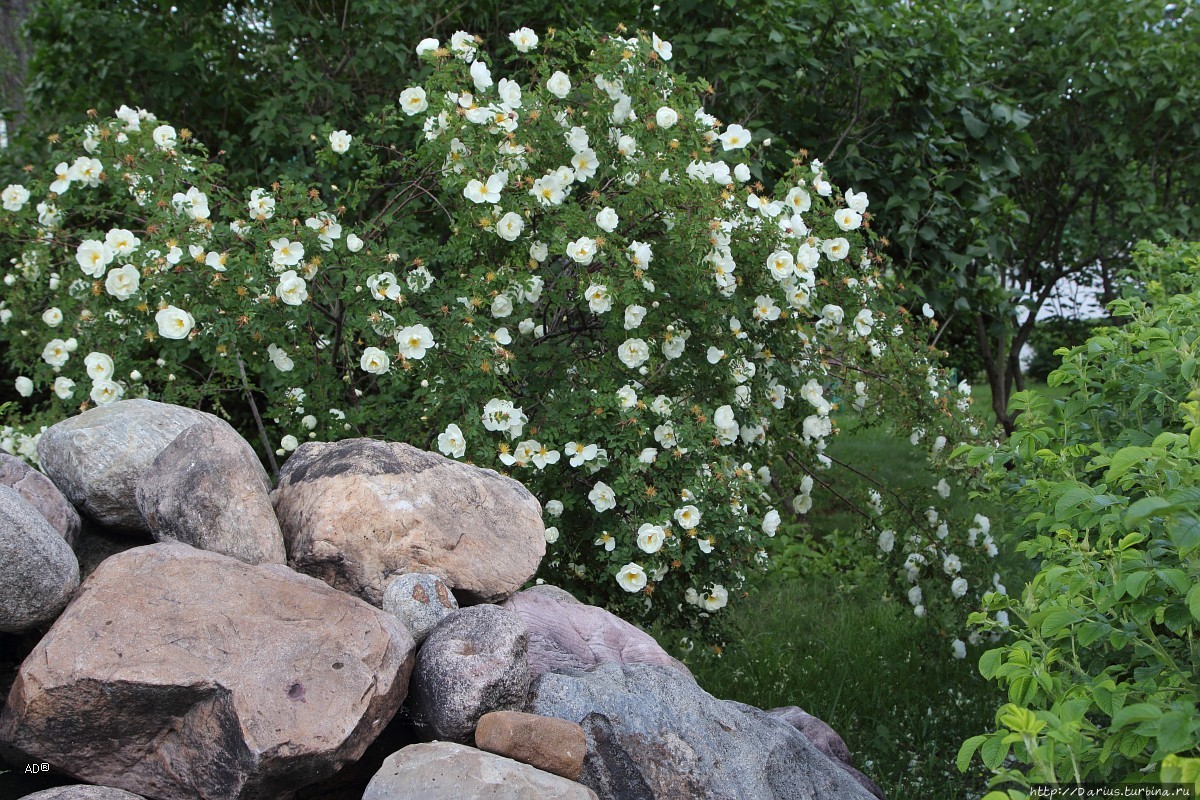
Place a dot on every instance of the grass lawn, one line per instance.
(826, 639)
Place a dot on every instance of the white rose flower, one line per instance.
(339, 141)
(55, 353)
(688, 517)
(598, 300)
(93, 256)
(23, 385)
(353, 243)
(502, 305)
(559, 85)
(887, 541)
(836, 249)
(414, 340)
(413, 100)
(650, 537)
(602, 497)
(292, 289)
(509, 226)
(14, 197)
(633, 353)
(106, 391)
(122, 283)
(958, 648)
(551, 535)
(524, 39)
(662, 48)
(451, 442)
(632, 578)
(164, 136)
(52, 317)
(374, 361)
(770, 523)
(99, 366)
(607, 220)
(64, 387)
(848, 219)
(174, 323)
(633, 316)
(279, 358)
(582, 250)
(717, 599)
(627, 397)
(539, 251)
(427, 46)
(958, 587)
(735, 137)
(666, 117)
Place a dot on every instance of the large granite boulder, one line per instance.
(827, 740)
(358, 511)
(38, 570)
(178, 673)
(208, 489)
(448, 771)
(653, 734)
(565, 634)
(41, 493)
(98, 457)
(473, 662)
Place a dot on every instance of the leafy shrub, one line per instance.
(1049, 335)
(568, 274)
(1102, 670)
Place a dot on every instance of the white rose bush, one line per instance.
(550, 261)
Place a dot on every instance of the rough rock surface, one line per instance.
(82, 792)
(654, 734)
(98, 457)
(566, 634)
(97, 543)
(825, 739)
(552, 745)
(208, 489)
(448, 771)
(41, 493)
(178, 673)
(356, 512)
(420, 601)
(38, 570)
(473, 662)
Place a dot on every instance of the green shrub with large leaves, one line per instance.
(1103, 667)
(552, 262)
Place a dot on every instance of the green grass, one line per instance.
(822, 635)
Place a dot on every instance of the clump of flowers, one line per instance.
(552, 262)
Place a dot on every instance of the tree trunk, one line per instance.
(14, 57)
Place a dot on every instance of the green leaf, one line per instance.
(1058, 619)
(1069, 500)
(1135, 713)
(1193, 602)
(990, 661)
(1174, 732)
(967, 751)
(1126, 459)
(994, 751)
(975, 126)
(1147, 506)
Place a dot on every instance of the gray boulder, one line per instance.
(38, 570)
(827, 740)
(473, 662)
(653, 734)
(358, 511)
(177, 673)
(41, 493)
(565, 634)
(82, 792)
(208, 489)
(420, 601)
(98, 457)
(448, 771)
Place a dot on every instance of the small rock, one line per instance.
(447, 771)
(552, 745)
(82, 792)
(176, 669)
(98, 457)
(420, 601)
(38, 570)
(474, 662)
(565, 634)
(208, 489)
(653, 734)
(41, 493)
(358, 511)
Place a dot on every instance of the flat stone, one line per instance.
(552, 745)
(448, 771)
(208, 489)
(38, 570)
(358, 511)
(177, 673)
